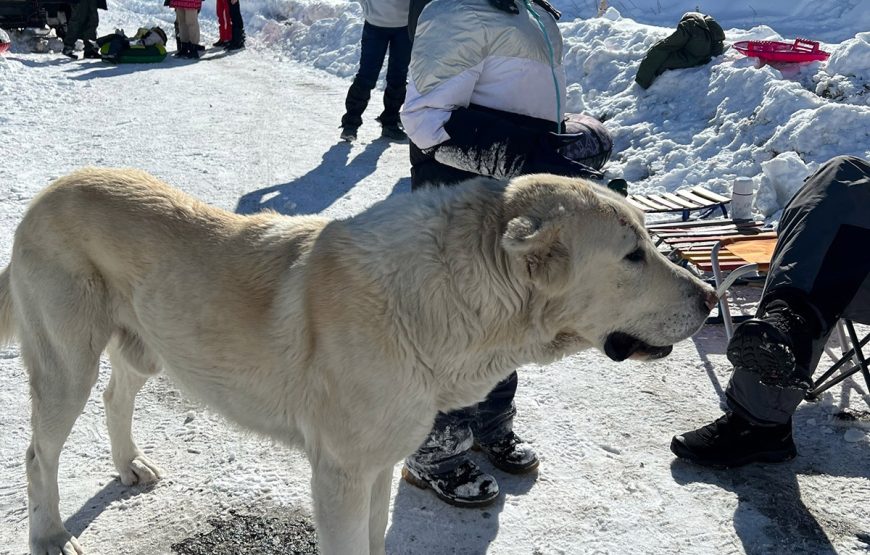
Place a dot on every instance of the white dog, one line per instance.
(342, 337)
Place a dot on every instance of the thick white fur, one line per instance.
(341, 337)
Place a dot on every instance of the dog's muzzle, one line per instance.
(620, 346)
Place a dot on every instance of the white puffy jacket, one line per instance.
(469, 52)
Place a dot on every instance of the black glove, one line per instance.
(548, 158)
(505, 5)
(510, 6)
(485, 143)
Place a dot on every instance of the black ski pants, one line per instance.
(821, 268)
(376, 42)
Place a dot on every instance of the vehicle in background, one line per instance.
(36, 14)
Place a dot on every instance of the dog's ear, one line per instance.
(539, 245)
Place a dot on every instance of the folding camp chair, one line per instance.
(685, 201)
(746, 255)
(848, 339)
(691, 244)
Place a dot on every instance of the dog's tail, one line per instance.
(6, 325)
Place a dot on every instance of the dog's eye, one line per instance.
(637, 255)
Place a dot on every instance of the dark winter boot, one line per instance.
(348, 134)
(183, 48)
(393, 132)
(91, 50)
(777, 346)
(733, 441)
(510, 454)
(70, 52)
(236, 44)
(192, 51)
(466, 486)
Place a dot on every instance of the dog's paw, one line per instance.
(140, 471)
(63, 544)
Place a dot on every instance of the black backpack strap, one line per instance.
(550, 8)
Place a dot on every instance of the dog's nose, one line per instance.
(710, 300)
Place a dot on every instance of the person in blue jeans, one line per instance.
(385, 29)
(486, 97)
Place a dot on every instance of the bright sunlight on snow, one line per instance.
(260, 129)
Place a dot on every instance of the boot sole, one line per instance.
(763, 353)
(769, 457)
(409, 477)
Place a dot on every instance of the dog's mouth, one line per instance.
(620, 346)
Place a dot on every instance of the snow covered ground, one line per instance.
(259, 128)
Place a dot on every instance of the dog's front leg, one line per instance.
(341, 507)
(379, 511)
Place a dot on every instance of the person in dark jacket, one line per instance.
(385, 29)
(486, 96)
(816, 277)
(83, 24)
(696, 41)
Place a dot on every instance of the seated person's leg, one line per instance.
(816, 275)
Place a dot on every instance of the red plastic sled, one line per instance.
(801, 50)
(5, 41)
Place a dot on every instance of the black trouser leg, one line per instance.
(397, 76)
(373, 50)
(238, 25)
(89, 32)
(820, 269)
(80, 22)
(495, 414)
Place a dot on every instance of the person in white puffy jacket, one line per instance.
(385, 29)
(486, 96)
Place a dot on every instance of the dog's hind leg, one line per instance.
(129, 374)
(59, 394)
(61, 340)
(379, 511)
(341, 508)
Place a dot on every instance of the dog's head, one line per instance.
(595, 275)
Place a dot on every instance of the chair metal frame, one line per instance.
(723, 283)
(855, 354)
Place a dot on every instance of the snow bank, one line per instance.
(705, 125)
